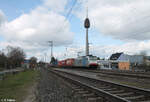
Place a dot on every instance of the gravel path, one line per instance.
(53, 89)
(31, 94)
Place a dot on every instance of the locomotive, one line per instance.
(79, 62)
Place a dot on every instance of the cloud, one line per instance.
(40, 25)
(31, 31)
(131, 48)
(27, 47)
(121, 19)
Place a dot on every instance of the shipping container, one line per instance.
(62, 63)
(70, 62)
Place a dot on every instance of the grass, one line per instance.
(15, 86)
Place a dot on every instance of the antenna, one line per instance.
(87, 12)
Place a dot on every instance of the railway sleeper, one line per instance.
(75, 87)
(124, 94)
(97, 99)
(110, 89)
(82, 92)
(134, 97)
(87, 95)
(143, 99)
(116, 91)
(78, 89)
(104, 87)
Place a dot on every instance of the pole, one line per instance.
(66, 49)
(51, 44)
(52, 49)
(87, 43)
(87, 25)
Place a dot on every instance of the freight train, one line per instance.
(79, 62)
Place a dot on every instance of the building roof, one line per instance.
(115, 56)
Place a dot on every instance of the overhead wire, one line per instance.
(62, 26)
(69, 12)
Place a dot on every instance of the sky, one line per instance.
(116, 26)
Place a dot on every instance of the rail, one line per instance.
(108, 89)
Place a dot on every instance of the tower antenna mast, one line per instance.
(87, 12)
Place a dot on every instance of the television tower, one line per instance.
(87, 25)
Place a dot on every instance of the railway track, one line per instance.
(140, 73)
(109, 91)
(124, 74)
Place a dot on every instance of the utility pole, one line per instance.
(87, 26)
(51, 44)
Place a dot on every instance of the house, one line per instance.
(133, 59)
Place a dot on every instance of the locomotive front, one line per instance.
(92, 61)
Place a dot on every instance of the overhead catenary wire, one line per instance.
(63, 25)
(70, 10)
(67, 16)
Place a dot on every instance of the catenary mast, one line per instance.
(87, 25)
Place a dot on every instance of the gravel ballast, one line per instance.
(52, 88)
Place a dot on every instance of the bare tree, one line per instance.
(3, 60)
(15, 56)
